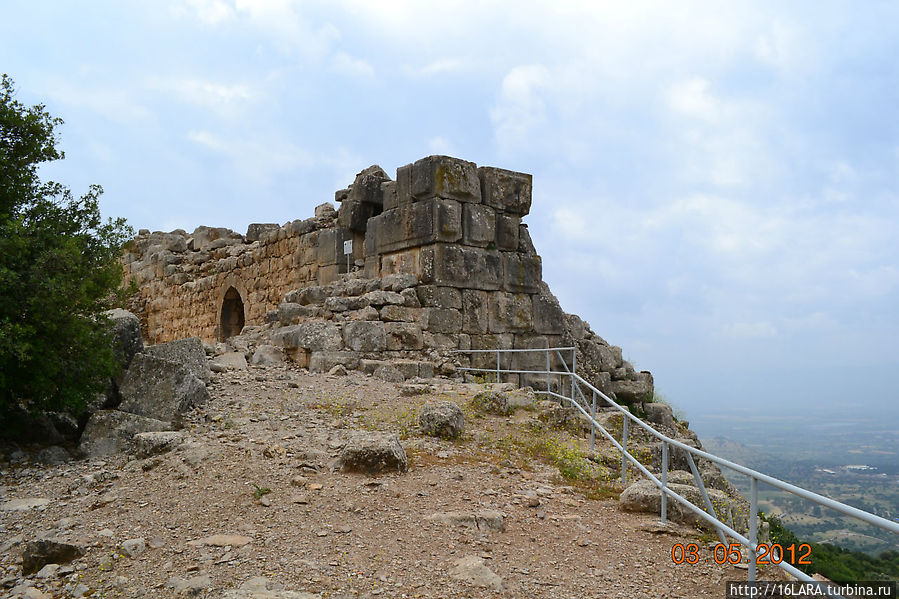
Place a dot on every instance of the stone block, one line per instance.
(530, 360)
(323, 361)
(421, 223)
(522, 274)
(504, 190)
(507, 231)
(388, 195)
(188, 353)
(408, 368)
(255, 230)
(330, 273)
(403, 193)
(426, 370)
(366, 187)
(369, 366)
(478, 225)
(403, 336)
(525, 244)
(160, 389)
(440, 341)
(325, 210)
(372, 268)
(549, 319)
(392, 313)
(443, 320)
(111, 431)
(343, 304)
(433, 296)
(291, 313)
(488, 360)
(354, 215)
(380, 297)
(410, 297)
(365, 336)
(474, 311)
(461, 266)
(509, 312)
(404, 261)
(445, 177)
(330, 246)
(314, 336)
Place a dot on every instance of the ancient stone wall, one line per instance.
(440, 261)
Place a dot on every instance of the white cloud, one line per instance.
(521, 108)
(440, 145)
(355, 68)
(437, 67)
(225, 99)
(209, 12)
(692, 98)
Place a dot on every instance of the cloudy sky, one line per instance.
(716, 185)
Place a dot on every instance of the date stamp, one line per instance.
(768, 554)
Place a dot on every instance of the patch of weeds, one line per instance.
(258, 491)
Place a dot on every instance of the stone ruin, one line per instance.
(436, 260)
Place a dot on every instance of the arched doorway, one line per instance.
(232, 320)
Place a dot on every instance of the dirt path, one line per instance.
(335, 534)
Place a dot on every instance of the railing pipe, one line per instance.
(624, 451)
(664, 481)
(753, 524)
(592, 425)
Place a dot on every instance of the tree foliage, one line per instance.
(58, 271)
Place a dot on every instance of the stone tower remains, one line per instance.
(438, 260)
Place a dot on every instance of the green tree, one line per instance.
(58, 271)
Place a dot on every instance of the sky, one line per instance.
(716, 185)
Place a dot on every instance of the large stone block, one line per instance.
(530, 360)
(189, 353)
(388, 195)
(461, 266)
(313, 336)
(160, 389)
(417, 224)
(323, 361)
(488, 360)
(549, 319)
(478, 225)
(432, 296)
(392, 313)
(255, 230)
(354, 215)
(365, 336)
(474, 311)
(640, 390)
(445, 177)
(403, 336)
(509, 312)
(522, 274)
(111, 431)
(443, 320)
(504, 190)
(366, 187)
(126, 339)
(507, 231)
(403, 261)
(525, 244)
(330, 246)
(403, 191)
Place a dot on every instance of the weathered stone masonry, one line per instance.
(441, 260)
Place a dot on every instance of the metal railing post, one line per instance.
(592, 425)
(573, 369)
(753, 524)
(497, 366)
(624, 420)
(548, 370)
(664, 481)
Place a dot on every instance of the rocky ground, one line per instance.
(249, 504)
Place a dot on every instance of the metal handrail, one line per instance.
(722, 528)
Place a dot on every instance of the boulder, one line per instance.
(267, 355)
(492, 402)
(111, 431)
(154, 443)
(442, 419)
(628, 391)
(474, 571)
(232, 360)
(659, 413)
(126, 339)
(390, 374)
(313, 336)
(161, 389)
(484, 520)
(38, 554)
(373, 453)
(365, 336)
(644, 496)
(188, 353)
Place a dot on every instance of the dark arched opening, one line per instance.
(232, 315)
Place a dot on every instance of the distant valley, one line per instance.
(851, 456)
